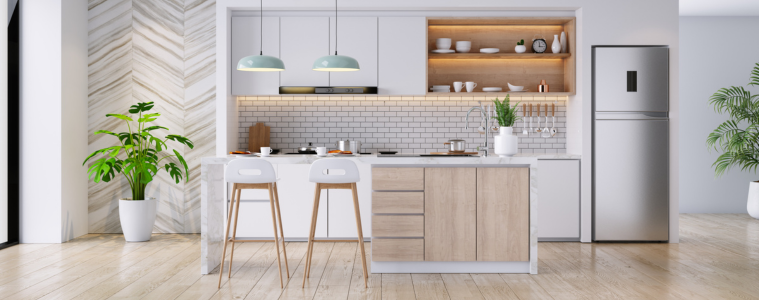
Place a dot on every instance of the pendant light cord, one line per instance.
(335, 27)
(261, 49)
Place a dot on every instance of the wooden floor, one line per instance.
(718, 258)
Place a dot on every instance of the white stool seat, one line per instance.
(265, 171)
(319, 171)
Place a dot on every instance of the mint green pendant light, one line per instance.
(336, 63)
(261, 62)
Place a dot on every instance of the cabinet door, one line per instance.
(246, 40)
(503, 214)
(559, 199)
(450, 214)
(296, 199)
(303, 40)
(342, 218)
(402, 56)
(357, 38)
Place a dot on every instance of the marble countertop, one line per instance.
(519, 159)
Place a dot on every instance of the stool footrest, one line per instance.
(334, 241)
(243, 241)
(335, 186)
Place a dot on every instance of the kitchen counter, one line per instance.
(213, 191)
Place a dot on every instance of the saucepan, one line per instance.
(456, 145)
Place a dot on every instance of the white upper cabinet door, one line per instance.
(246, 40)
(357, 38)
(402, 56)
(303, 40)
(559, 199)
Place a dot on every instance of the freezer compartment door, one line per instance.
(631, 180)
(631, 79)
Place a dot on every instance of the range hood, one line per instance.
(367, 90)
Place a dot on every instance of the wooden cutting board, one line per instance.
(258, 136)
(454, 153)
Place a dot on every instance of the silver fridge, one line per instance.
(630, 143)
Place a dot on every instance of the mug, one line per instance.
(470, 85)
(457, 85)
(443, 43)
(321, 151)
(265, 151)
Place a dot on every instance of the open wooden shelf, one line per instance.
(500, 94)
(498, 55)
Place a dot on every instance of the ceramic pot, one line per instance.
(520, 49)
(137, 218)
(753, 199)
(506, 143)
(563, 41)
(556, 45)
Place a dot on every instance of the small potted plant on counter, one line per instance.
(144, 153)
(520, 48)
(505, 143)
(737, 138)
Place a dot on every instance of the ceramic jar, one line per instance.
(506, 143)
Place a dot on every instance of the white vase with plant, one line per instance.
(144, 154)
(520, 48)
(737, 137)
(506, 144)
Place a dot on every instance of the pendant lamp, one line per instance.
(336, 63)
(261, 62)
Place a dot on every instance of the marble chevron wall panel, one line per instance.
(169, 54)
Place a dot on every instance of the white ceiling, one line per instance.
(719, 8)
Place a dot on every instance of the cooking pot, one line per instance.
(348, 145)
(310, 149)
(456, 145)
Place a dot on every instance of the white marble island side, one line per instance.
(213, 206)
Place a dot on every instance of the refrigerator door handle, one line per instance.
(631, 116)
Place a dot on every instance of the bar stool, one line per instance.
(324, 181)
(266, 179)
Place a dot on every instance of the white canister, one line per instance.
(506, 143)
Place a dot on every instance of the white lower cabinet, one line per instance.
(342, 219)
(558, 199)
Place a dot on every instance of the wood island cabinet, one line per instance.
(450, 210)
(503, 214)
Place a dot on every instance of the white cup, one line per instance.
(463, 46)
(457, 85)
(443, 43)
(470, 85)
(265, 151)
(321, 151)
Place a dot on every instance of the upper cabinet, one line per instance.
(303, 40)
(357, 38)
(246, 40)
(402, 56)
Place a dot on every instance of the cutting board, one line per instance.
(258, 136)
(454, 153)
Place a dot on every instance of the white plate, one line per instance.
(492, 89)
(443, 51)
(489, 50)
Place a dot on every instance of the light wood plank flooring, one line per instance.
(718, 258)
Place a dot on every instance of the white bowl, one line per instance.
(492, 89)
(464, 44)
(489, 50)
(443, 43)
(462, 50)
(515, 88)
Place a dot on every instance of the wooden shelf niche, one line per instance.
(496, 70)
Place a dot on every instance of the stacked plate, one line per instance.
(441, 88)
(492, 89)
(489, 50)
(443, 51)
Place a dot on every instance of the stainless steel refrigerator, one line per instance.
(630, 143)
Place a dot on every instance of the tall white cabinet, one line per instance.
(303, 40)
(402, 55)
(357, 38)
(246, 40)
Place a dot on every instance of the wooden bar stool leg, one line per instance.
(309, 248)
(226, 232)
(360, 231)
(313, 230)
(276, 237)
(281, 231)
(234, 232)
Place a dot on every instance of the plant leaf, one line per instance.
(140, 107)
(123, 117)
(184, 163)
(181, 139)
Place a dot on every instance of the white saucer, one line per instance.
(443, 51)
(323, 155)
(265, 155)
(489, 50)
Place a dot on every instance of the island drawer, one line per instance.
(398, 179)
(398, 249)
(398, 203)
(397, 226)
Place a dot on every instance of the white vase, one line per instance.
(137, 218)
(520, 49)
(556, 46)
(506, 143)
(753, 199)
(563, 41)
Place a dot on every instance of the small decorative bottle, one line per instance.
(556, 45)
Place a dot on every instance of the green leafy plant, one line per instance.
(143, 151)
(504, 113)
(520, 43)
(738, 137)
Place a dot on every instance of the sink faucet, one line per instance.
(486, 118)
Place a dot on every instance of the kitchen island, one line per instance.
(428, 214)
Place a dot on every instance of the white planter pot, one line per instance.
(520, 49)
(506, 143)
(137, 218)
(753, 199)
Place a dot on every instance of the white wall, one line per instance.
(48, 112)
(716, 53)
(599, 22)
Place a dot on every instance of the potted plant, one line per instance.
(520, 48)
(505, 143)
(143, 154)
(738, 137)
